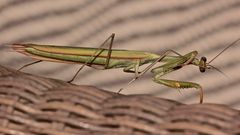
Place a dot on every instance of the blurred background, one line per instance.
(152, 26)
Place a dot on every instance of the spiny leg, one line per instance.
(172, 66)
(97, 53)
(29, 64)
(179, 85)
(139, 74)
(191, 57)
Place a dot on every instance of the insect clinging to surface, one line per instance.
(129, 60)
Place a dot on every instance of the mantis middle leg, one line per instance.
(97, 53)
(29, 64)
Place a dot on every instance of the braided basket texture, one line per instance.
(31, 105)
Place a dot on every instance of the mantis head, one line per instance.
(203, 64)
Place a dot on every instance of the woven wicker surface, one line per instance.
(35, 105)
(152, 26)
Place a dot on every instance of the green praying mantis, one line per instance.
(129, 60)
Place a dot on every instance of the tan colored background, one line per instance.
(154, 26)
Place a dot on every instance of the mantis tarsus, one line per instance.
(129, 60)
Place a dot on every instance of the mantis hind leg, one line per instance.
(97, 53)
(29, 64)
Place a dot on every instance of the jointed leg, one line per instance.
(109, 50)
(97, 53)
(29, 64)
(179, 85)
(147, 68)
(172, 66)
(134, 68)
(169, 67)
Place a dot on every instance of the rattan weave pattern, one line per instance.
(34, 105)
(206, 26)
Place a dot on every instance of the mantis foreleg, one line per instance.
(172, 66)
(136, 67)
(179, 85)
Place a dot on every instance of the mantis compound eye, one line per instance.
(202, 64)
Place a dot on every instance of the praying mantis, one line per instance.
(129, 60)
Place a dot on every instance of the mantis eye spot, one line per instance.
(202, 64)
(202, 69)
(204, 59)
